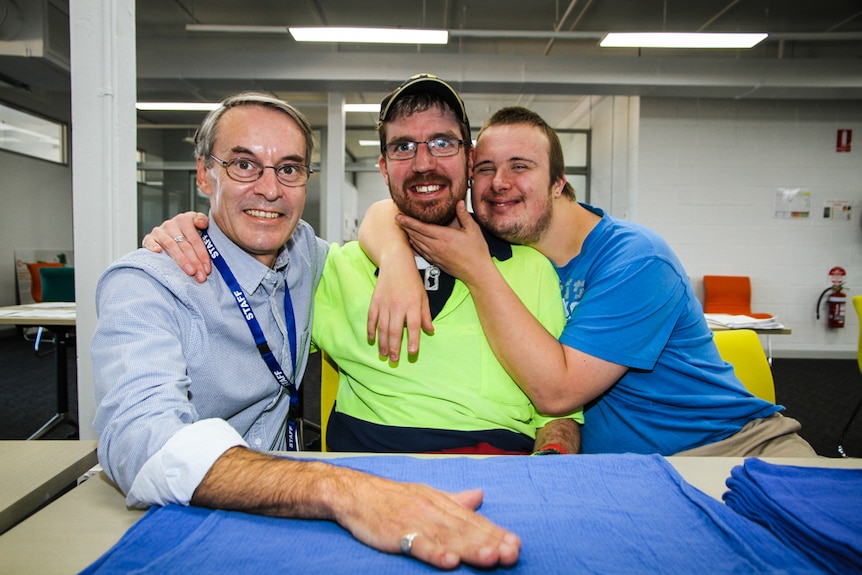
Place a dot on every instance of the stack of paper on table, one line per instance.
(742, 321)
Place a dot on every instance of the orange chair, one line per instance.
(36, 278)
(730, 295)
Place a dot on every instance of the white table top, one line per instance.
(33, 472)
(79, 527)
(46, 313)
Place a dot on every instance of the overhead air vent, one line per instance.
(35, 29)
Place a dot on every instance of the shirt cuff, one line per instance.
(172, 474)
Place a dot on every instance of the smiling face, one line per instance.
(513, 193)
(426, 187)
(258, 216)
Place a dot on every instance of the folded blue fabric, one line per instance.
(574, 514)
(816, 510)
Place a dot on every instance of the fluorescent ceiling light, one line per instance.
(369, 35)
(369, 142)
(236, 29)
(374, 108)
(207, 106)
(679, 40)
(177, 106)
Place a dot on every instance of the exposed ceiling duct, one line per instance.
(35, 29)
(34, 44)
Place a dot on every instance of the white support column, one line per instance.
(104, 135)
(331, 202)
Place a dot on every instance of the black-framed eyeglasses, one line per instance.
(246, 170)
(439, 147)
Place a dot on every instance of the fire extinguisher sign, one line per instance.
(844, 141)
(836, 275)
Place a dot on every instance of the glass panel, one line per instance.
(575, 147)
(581, 185)
(163, 194)
(30, 135)
(363, 149)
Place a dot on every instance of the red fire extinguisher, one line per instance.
(837, 301)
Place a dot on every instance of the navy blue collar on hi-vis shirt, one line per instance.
(439, 284)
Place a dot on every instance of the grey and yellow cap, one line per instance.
(428, 83)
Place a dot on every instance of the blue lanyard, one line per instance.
(260, 339)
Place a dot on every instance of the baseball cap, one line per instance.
(428, 83)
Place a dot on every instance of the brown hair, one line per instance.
(206, 133)
(409, 104)
(518, 115)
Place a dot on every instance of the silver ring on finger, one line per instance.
(407, 543)
(180, 239)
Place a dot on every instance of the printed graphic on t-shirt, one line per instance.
(572, 291)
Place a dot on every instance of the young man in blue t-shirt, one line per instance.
(636, 351)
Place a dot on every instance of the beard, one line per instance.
(439, 211)
(518, 231)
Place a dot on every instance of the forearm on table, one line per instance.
(565, 432)
(245, 480)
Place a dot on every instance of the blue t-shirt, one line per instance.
(629, 301)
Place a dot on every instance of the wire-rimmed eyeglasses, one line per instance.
(246, 170)
(439, 147)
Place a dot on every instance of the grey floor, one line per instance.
(820, 393)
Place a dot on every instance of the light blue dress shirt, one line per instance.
(177, 376)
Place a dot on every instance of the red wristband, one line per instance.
(551, 448)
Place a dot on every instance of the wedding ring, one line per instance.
(407, 543)
(179, 239)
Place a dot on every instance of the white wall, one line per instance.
(708, 173)
(37, 212)
(614, 121)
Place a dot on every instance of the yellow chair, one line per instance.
(742, 349)
(328, 391)
(857, 303)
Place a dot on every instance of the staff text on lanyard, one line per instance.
(260, 339)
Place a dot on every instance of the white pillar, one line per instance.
(331, 203)
(104, 134)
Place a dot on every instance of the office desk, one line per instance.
(61, 316)
(767, 332)
(34, 472)
(75, 530)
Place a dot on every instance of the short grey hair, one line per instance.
(206, 133)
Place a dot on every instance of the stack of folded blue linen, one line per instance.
(814, 510)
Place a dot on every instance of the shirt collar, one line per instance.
(248, 271)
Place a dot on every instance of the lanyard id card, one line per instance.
(260, 339)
